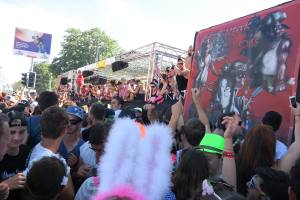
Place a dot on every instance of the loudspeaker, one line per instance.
(119, 65)
(64, 81)
(87, 73)
(101, 81)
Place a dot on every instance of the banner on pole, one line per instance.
(32, 43)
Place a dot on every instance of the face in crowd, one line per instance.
(180, 64)
(75, 124)
(18, 135)
(115, 105)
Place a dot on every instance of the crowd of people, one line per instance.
(128, 90)
(168, 84)
(70, 152)
(56, 147)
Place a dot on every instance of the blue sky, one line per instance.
(132, 23)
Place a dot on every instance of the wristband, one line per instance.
(228, 154)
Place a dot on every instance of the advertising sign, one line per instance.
(249, 65)
(32, 43)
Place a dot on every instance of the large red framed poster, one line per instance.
(249, 65)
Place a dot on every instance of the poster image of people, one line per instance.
(32, 43)
(249, 66)
(212, 49)
(269, 53)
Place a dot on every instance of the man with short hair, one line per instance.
(188, 59)
(117, 104)
(96, 115)
(45, 100)
(44, 179)
(54, 123)
(273, 119)
(90, 153)
(71, 142)
(182, 75)
(13, 163)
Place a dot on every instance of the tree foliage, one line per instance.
(44, 76)
(79, 49)
(17, 86)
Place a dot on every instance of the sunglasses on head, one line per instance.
(74, 122)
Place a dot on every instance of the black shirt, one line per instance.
(86, 134)
(11, 165)
(181, 82)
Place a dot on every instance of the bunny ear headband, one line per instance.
(137, 160)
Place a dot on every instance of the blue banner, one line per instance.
(32, 43)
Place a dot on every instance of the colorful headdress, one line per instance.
(136, 157)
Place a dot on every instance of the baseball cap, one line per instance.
(16, 119)
(24, 102)
(212, 143)
(76, 111)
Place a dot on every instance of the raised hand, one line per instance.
(231, 124)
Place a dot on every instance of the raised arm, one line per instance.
(286, 163)
(201, 114)
(229, 166)
(176, 112)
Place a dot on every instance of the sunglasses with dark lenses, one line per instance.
(251, 184)
(74, 122)
(97, 150)
(180, 63)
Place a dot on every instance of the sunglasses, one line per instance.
(253, 185)
(97, 150)
(180, 63)
(74, 122)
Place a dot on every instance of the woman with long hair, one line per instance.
(192, 171)
(258, 150)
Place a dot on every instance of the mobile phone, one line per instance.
(293, 101)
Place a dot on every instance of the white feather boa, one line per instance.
(142, 162)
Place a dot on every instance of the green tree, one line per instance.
(79, 49)
(44, 77)
(17, 86)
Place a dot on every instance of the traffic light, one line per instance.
(31, 80)
(24, 79)
(38, 79)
